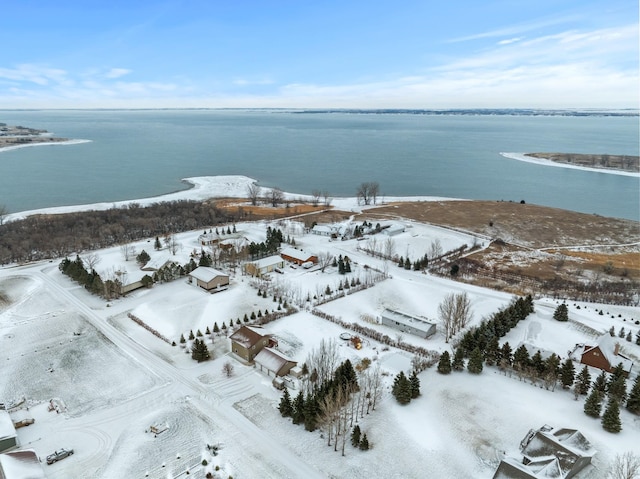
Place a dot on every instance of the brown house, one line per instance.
(298, 256)
(209, 279)
(248, 341)
(606, 355)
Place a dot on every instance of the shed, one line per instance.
(209, 279)
(408, 323)
(8, 436)
(273, 361)
(21, 465)
(392, 229)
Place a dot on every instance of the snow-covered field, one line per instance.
(111, 380)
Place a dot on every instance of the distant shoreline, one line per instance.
(47, 142)
(526, 157)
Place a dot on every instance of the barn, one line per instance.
(408, 323)
(209, 279)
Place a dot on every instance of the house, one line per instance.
(605, 355)
(263, 266)
(511, 468)
(209, 279)
(408, 324)
(21, 465)
(248, 341)
(273, 361)
(298, 256)
(8, 436)
(548, 453)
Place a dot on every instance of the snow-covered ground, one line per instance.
(541, 161)
(111, 380)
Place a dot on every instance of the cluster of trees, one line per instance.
(614, 389)
(199, 350)
(622, 333)
(368, 192)
(52, 236)
(406, 388)
(499, 324)
(343, 264)
(269, 246)
(332, 397)
(91, 280)
(455, 313)
(418, 265)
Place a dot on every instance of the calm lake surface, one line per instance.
(136, 154)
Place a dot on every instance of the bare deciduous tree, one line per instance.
(315, 197)
(625, 466)
(91, 260)
(368, 192)
(322, 363)
(127, 251)
(324, 260)
(172, 243)
(374, 190)
(227, 369)
(435, 249)
(253, 193)
(276, 196)
(455, 313)
(326, 198)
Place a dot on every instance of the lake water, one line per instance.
(136, 154)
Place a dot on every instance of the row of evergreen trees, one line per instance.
(499, 324)
(622, 333)
(92, 282)
(614, 389)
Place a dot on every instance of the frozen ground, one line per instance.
(111, 380)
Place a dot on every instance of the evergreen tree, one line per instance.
(458, 359)
(246, 318)
(207, 331)
(617, 389)
(364, 443)
(298, 409)
(506, 354)
(583, 381)
(521, 359)
(601, 382)
(216, 329)
(199, 351)
(492, 352)
(347, 265)
(224, 326)
(538, 363)
(622, 333)
(567, 374)
(355, 436)
(593, 404)
(415, 384)
(475, 362)
(444, 365)
(157, 245)
(633, 402)
(199, 333)
(612, 330)
(286, 407)
(143, 258)
(401, 262)
(182, 340)
(561, 313)
(611, 417)
(311, 412)
(401, 389)
(629, 337)
(638, 337)
(191, 336)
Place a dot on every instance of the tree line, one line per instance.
(40, 237)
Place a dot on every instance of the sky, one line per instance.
(321, 54)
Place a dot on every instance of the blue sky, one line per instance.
(319, 54)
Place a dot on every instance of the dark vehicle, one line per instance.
(58, 455)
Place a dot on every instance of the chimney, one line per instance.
(616, 349)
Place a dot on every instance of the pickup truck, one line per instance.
(58, 455)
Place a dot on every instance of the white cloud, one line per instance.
(40, 75)
(117, 73)
(509, 40)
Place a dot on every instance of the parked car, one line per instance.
(58, 455)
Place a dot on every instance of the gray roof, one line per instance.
(409, 320)
(7, 429)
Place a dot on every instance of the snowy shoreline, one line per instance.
(44, 143)
(540, 161)
(207, 187)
